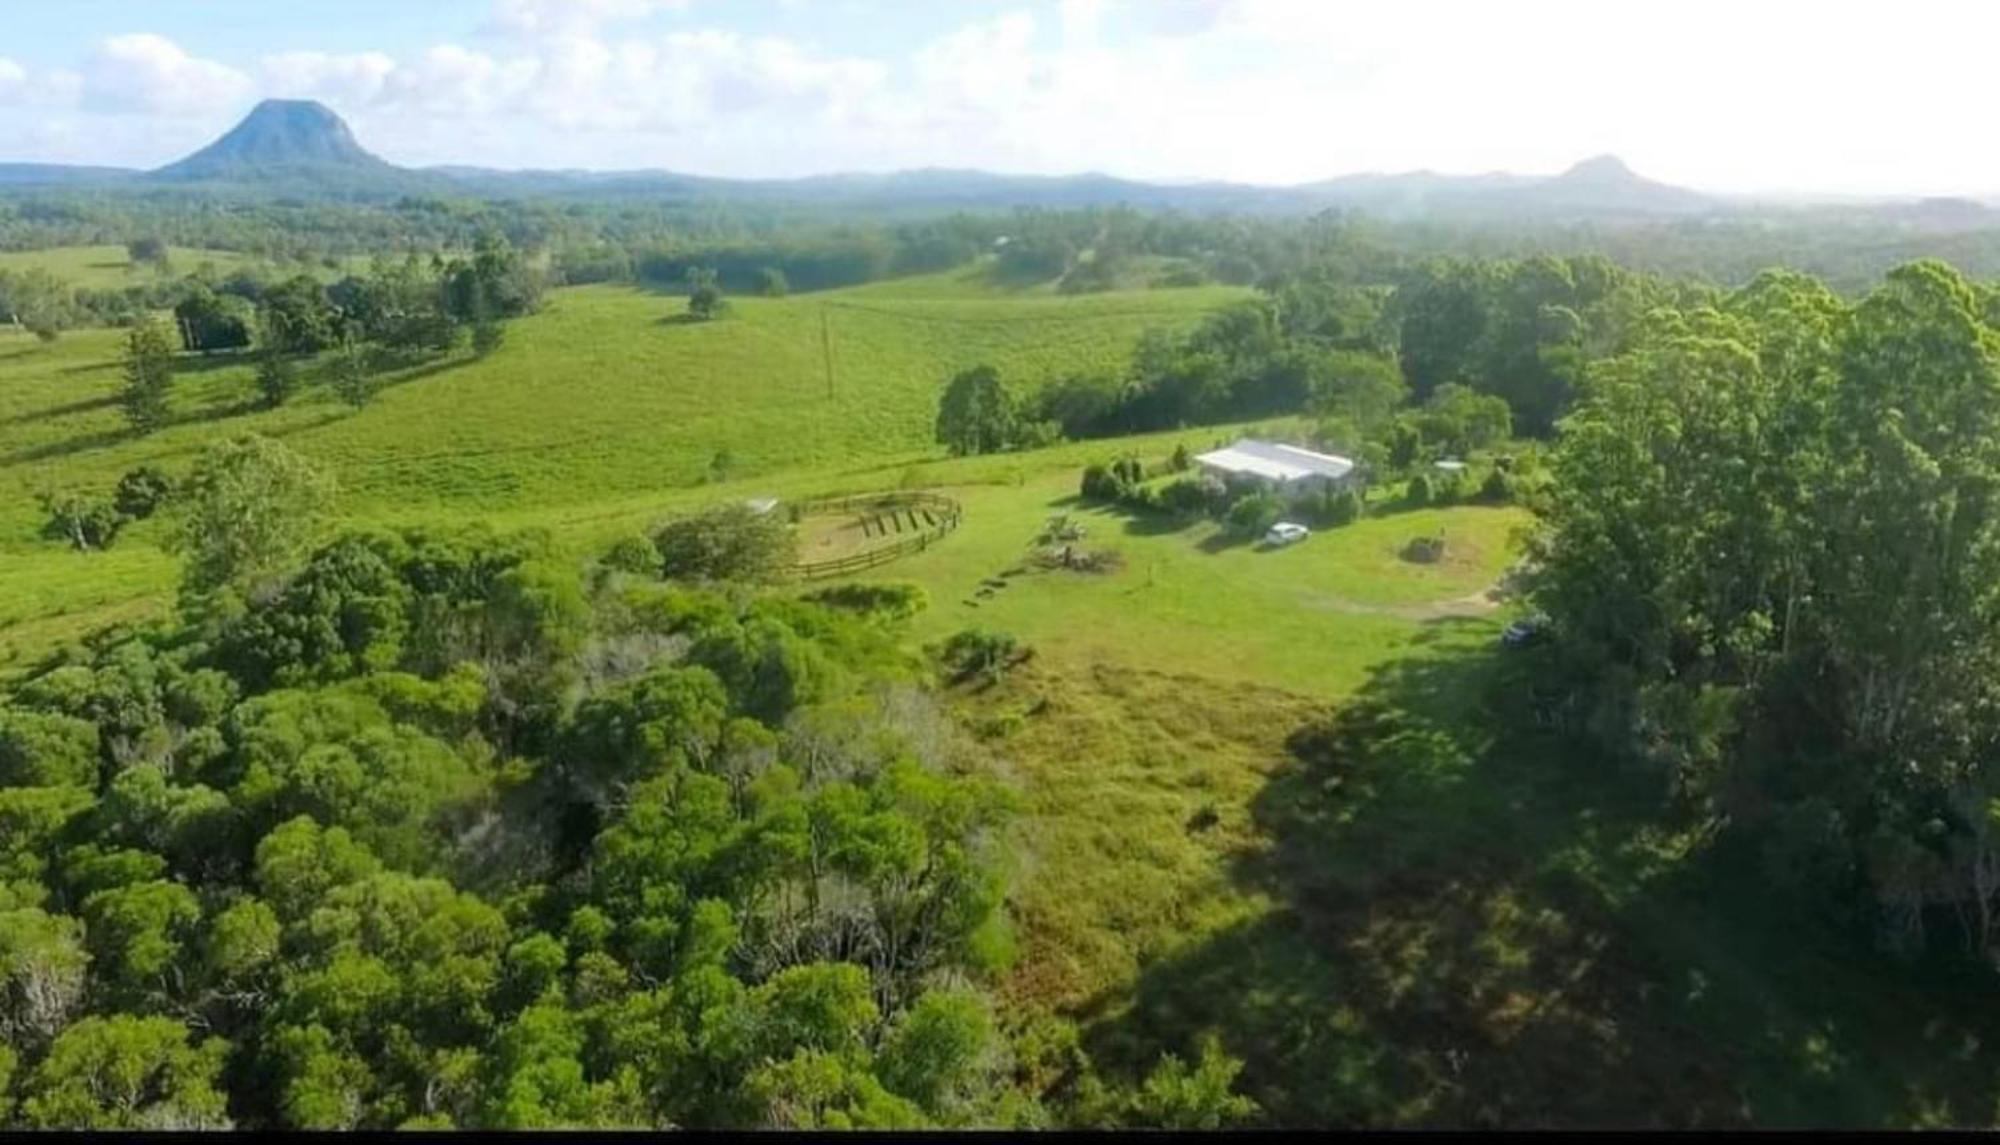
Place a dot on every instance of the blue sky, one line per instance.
(1722, 94)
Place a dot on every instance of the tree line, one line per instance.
(399, 312)
(1768, 554)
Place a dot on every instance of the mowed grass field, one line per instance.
(109, 267)
(603, 404)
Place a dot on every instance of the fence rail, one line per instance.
(942, 513)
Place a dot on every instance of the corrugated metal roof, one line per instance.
(1275, 462)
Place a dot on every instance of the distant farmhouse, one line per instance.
(1285, 468)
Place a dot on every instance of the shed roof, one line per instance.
(1276, 462)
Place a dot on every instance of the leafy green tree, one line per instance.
(277, 378)
(704, 294)
(149, 374)
(1253, 514)
(148, 250)
(1177, 1096)
(944, 1055)
(296, 316)
(247, 509)
(127, 1072)
(45, 749)
(350, 371)
(43, 975)
(137, 935)
(728, 542)
(86, 522)
(209, 322)
(487, 336)
(141, 491)
(976, 413)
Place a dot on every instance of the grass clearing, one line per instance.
(111, 268)
(602, 410)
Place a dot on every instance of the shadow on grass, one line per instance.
(200, 363)
(84, 405)
(1479, 923)
(686, 319)
(1222, 540)
(1155, 524)
(101, 439)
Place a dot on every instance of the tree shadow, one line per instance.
(1478, 922)
(429, 369)
(1222, 540)
(84, 405)
(685, 319)
(196, 362)
(1155, 524)
(47, 450)
(89, 368)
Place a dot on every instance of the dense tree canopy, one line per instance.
(422, 832)
(1770, 544)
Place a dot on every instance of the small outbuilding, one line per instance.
(1285, 468)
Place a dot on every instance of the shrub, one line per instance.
(1113, 482)
(1419, 491)
(1099, 484)
(1424, 550)
(894, 600)
(1498, 488)
(1343, 506)
(1141, 498)
(85, 522)
(976, 652)
(1181, 461)
(1448, 489)
(141, 491)
(1253, 514)
(1191, 497)
(633, 554)
(729, 542)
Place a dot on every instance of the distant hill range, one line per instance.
(301, 148)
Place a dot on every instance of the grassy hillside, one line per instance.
(605, 398)
(108, 267)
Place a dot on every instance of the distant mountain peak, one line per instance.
(1600, 169)
(278, 135)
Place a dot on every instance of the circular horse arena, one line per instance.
(847, 534)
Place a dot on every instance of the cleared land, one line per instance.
(109, 267)
(1447, 920)
(598, 412)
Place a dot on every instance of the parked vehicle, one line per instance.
(1285, 533)
(1526, 631)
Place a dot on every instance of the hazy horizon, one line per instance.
(1772, 99)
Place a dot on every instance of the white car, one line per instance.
(1285, 533)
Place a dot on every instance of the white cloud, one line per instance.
(536, 18)
(150, 74)
(348, 80)
(1716, 93)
